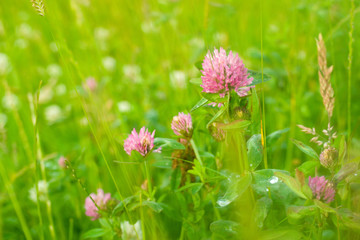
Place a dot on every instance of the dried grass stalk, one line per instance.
(39, 6)
(326, 90)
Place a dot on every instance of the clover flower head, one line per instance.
(329, 157)
(62, 162)
(222, 73)
(322, 189)
(142, 142)
(90, 84)
(182, 125)
(100, 199)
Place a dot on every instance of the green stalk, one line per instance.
(262, 110)
(142, 219)
(212, 197)
(14, 201)
(87, 117)
(351, 40)
(34, 113)
(71, 228)
(148, 177)
(47, 201)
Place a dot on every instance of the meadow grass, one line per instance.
(142, 55)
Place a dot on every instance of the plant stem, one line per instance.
(142, 219)
(148, 177)
(14, 201)
(263, 125)
(351, 40)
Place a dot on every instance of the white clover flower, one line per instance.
(4, 63)
(54, 70)
(149, 27)
(132, 72)
(221, 38)
(124, 106)
(301, 55)
(131, 232)
(197, 42)
(109, 63)
(21, 43)
(178, 79)
(83, 122)
(46, 94)
(60, 89)
(25, 31)
(101, 34)
(42, 190)
(10, 101)
(53, 114)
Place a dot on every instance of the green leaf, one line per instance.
(281, 234)
(324, 207)
(162, 163)
(175, 179)
(198, 65)
(261, 210)
(126, 201)
(199, 104)
(255, 151)
(273, 137)
(236, 187)
(95, 233)
(258, 77)
(217, 115)
(213, 97)
(196, 81)
(255, 112)
(349, 219)
(156, 207)
(292, 183)
(308, 167)
(296, 213)
(346, 170)
(306, 149)
(237, 124)
(168, 144)
(136, 156)
(342, 150)
(225, 228)
(194, 187)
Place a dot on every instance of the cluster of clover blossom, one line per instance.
(222, 73)
(322, 189)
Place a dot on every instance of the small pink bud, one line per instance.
(62, 162)
(182, 125)
(100, 199)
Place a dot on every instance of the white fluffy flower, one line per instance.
(132, 72)
(109, 63)
(4, 63)
(42, 189)
(124, 106)
(10, 101)
(54, 70)
(131, 232)
(53, 114)
(178, 79)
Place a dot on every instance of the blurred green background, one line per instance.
(142, 56)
